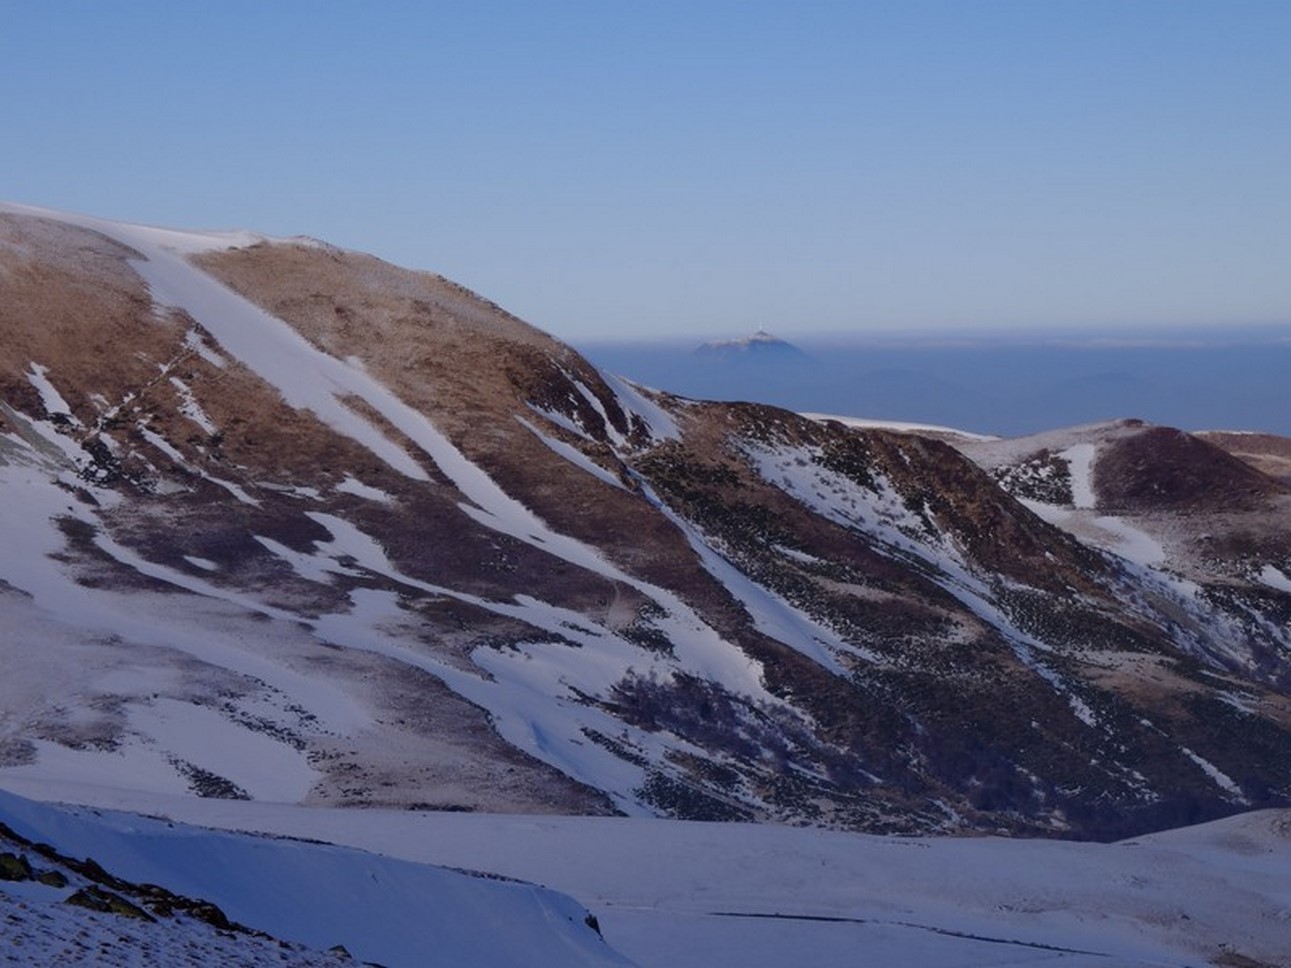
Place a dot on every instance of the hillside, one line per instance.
(80, 887)
(287, 523)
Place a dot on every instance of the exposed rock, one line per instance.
(105, 902)
(15, 867)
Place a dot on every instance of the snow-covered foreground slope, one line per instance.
(41, 933)
(379, 907)
(676, 894)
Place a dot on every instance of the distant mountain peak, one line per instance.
(760, 346)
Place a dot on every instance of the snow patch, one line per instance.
(771, 614)
(1131, 543)
(1275, 578)
(50, 398)
(560, 420)
(190, 408)
(1108, 532)
(879, 510)
(1221, 779)
(163, 445)
(799, 556)
(308, 566)
(862, 423)
(635, 402)
(193, 340)
(264, 767)
(1080, 461)
(616, 438)
(352, 485)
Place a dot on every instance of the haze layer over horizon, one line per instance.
(607, 171)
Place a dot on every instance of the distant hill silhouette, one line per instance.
(761, 347)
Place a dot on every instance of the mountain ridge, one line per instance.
(274, 495)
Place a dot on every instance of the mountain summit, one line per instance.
(761, 347)
(286, 522)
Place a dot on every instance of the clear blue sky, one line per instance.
(632, 169)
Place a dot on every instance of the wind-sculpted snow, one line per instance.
(380, 909)
(310, 379)
(156, 736)
(535, 701)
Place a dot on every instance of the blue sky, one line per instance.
(616, 169)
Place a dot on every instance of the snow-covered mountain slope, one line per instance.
(315, 896)
(669, 893)
(287, 523)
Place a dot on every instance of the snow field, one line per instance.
(672, 894)
(382, 909)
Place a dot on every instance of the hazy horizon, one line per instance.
(1197, 335)
(1006, 384)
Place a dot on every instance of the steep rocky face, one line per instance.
(271, 502)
